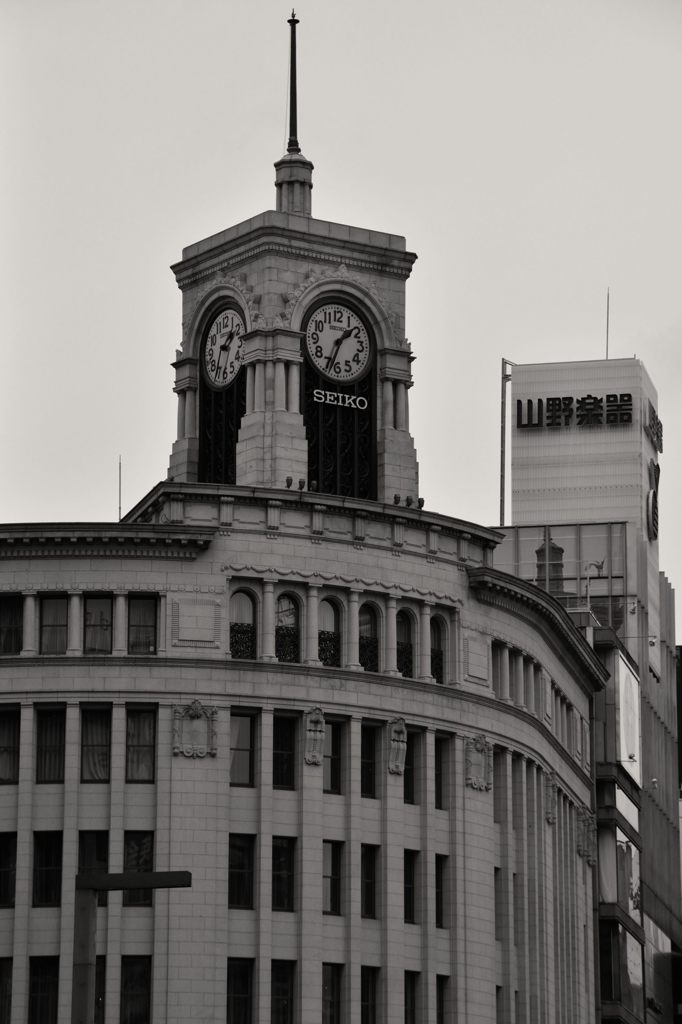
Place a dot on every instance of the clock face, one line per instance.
(338, 343)
(223, 348)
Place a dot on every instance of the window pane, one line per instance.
(284, 752)
(97, 625)
(8, 866)
(240, 877)
(242, 626)
(369, 977)
(283, 973)
(6, 989)
(93, 855)
(331, 993)
(9, 745)
(140, 744)
(50, 727)
(136, 989)
(369, 639)
(409, 772)
(239, 991)
(11, 613)
(138, 855)
(47, 869)
(287, 645)
(100, 986)
(368, 757)
(410, 879)
(43, 989)
(95, 744)
(142, 625)
(53, 625)
(368, 880)
(331, 765)
(331, 880)
(441, 750)
(404, 644)
(242, 749)
(283, 867)
(437, 650)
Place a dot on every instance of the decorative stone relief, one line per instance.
(591, 853)
(194, 730)
(550, 798)
(478, 755)
(340, 273)
(397, 735)
(314, 736)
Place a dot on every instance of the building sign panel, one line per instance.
(565, 410)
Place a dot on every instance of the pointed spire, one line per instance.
(294, 178)
(293, 146)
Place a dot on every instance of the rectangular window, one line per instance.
(410, 885)
(53, 625)
(97, 620)
(411, 993)
(242, 749)
(9, 745)
(47, 869)
(43, 989)
(282, 980)
(283, 752)
(95, 744)
(241, 871)
(11, 625)
(499, 906)
(138, 855)
(369, 856)
(332, 975)
(441, 751)
(369, 989)
(283, 872)
(142, 625)
(442, 998)
(441, 889)
(368, 760)
(50, 732)
(409, 774)
(140, 744)
(8, 869)
(93, 855)
(239, 990)
(136, 989)
(332, 853)
(100, 989)
(331, 782)
(6, 989)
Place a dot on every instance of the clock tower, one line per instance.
(294, 366)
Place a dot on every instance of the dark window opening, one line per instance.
(369, 742)
(368, 880)
(9, 745)
(142, 625)
(284, 752)
(8, 869)
(242, 749)
(50, 734)
(332, 853)
(403, 625)
(138, 855)
(283, 872)
(368, 639)
(53, 625)
(331, 765)
(136, 989)
(242, 626)
(93, 855)
(287, 631)
(43, 989)
(47, 869)
(282, 980)
(410, 885)
(437, 658)
(140, 744)
(329, 635)
(241, 871)
(95, 744)
(97, 625)
(11, 623)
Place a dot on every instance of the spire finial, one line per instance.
(293, 146)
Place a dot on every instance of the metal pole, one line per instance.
(505, 378)
(293, 146)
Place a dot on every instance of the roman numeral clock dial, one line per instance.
(223, 349)
(337, 343)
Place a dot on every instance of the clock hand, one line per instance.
(224, 348)
(331, 359)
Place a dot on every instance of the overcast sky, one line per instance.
(529, 150)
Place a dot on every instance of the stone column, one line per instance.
(529, 681)
(259, 388)
(280, 385)
(312, 628)
(74, 643)
(268, 638)
(388, 403)
(400, 405)
(120, 623)
(181, 414)
(425, 643)
(28, 647)
(353, 653)
(517, 678)
(293, 387)
(250, 388)
(390, 647)
(191, 413)
(504, 672)
(163, 605)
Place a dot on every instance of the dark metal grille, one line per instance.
(341, 441)
(405, 667)
(287, 647)
(242, 640)
(369, 653)
(220, 416)
(329, 648)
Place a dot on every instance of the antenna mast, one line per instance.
(293, 146)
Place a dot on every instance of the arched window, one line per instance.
(329, 636)
(287, 635)
(242, 625)
(437, 650)
(403, 633)
(369, 639)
